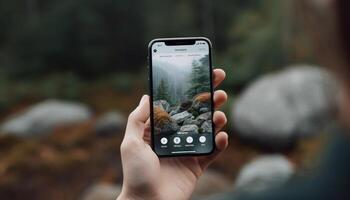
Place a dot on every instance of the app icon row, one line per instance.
(177, 140)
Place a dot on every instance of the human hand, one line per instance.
(146, 176)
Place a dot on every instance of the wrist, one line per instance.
(123, 196)
(127, 195)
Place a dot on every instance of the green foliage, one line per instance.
(199, 78)
(92, 38)
(66, 43)
(261, 41)
(162, 91)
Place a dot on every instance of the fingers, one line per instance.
(138, 118)
(221, 141)
(219, 75)
(220, 98)
(220, 120)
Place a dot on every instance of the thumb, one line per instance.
(138, 118)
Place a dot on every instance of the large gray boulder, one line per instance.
(263, 173)
(181, 117)
(110, 122)
(41, 118)
(277, 108)
(202, 118)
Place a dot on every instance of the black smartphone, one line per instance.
(181, 93)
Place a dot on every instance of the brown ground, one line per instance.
(63, 164)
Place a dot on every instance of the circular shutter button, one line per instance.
(202, 139)
(189, 139)
(177, 140)
(164, 140)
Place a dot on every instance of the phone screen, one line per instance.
(182, 108)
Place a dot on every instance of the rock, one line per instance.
(204, 110)
(163, 123)
(169, 128)
(41, 118)
(192, 128)
(203, 117)
(173, 112)
(162, 104)
(181, 117)
(185, 106)
(102, 192)
(190, 121)
(263, 173)
(211, 182)
(278, 108)
(199, 104)
(207, 127)
(110, 122)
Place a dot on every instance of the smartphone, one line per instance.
(181, 94)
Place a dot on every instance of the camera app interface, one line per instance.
(182, 116)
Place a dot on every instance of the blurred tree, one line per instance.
(89, 37)
(256, 46)
(92, 38)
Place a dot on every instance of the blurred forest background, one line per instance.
(59, 48)
(93, 52)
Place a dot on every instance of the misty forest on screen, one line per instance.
(181, 95)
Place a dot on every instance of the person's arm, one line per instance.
(148, 177)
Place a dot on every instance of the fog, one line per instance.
(176, 78)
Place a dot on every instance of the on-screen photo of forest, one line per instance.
(181, 95)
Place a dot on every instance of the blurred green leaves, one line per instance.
(256, 45)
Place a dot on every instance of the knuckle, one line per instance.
(131, 116)
(225, 119)
(128, 145)
(124, 146)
